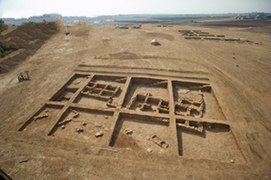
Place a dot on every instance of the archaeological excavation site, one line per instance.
(133, 101)
(164, 116)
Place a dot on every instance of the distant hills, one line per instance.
(145, 18)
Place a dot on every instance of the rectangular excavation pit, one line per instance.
(64, 94)
(142, 134)
(69, 88)
(112, 80)
(207, 140)
(76, 81)
(102, 91)
(84, 125)
(145, 94)
(196, 100)
(42, 120)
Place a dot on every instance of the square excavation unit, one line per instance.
(86, 125)
(102, 92)
(207, 140)
(69, 89)
(42, 120)
(196, 100)
(142, 114)
(142, 133)
(148, 95)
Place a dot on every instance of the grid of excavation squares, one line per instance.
(155, 99)
(149, 103)
(143, 113)
(198, 35)
(103, 92)
(202, 35)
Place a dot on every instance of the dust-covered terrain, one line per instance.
(105, 102)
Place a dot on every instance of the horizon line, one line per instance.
(228, 13)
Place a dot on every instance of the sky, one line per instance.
(26, 8)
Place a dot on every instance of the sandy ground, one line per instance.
(240, 75)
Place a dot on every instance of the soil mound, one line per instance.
(26, 39)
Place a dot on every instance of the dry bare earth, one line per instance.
(239, 75)
(27, 39)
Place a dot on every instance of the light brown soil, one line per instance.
(26, 39)
(231, 140)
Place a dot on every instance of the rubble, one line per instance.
(40, 117)
(155, 42)
(149, 150)
(128, 131)
(99, 134)
(64, 122)
(79, 130)
(76, 114)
